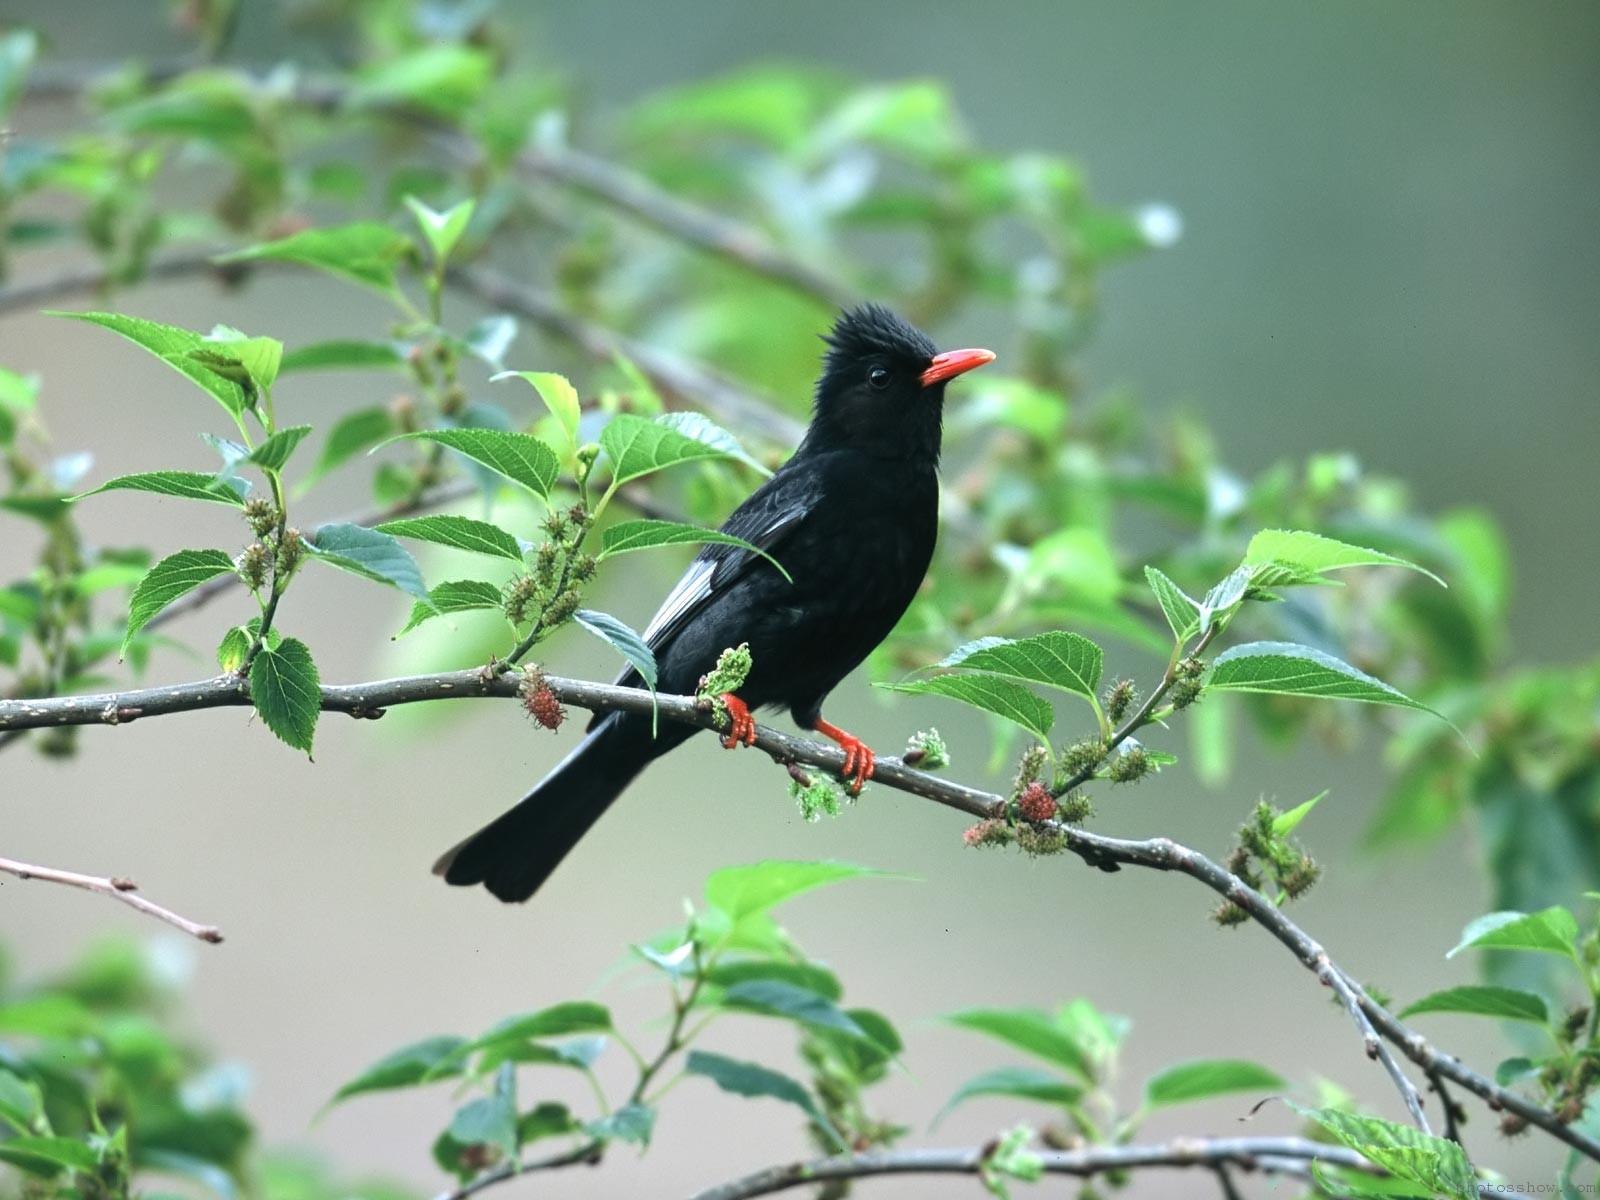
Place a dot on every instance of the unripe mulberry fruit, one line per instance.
(1036, 803)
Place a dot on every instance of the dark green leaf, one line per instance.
(1552, 930)
(779, 998)
(753, 1080)
(1284, 668)
(646, 534)
(743, 891)
(623, 639)
(1182, 613)
(342, 355)
(187, 485)
(1316, 553)
(519, 457)
(545, 1120)
(459, 533)
(286, 692)
(1017, 1083)
(274, 453)
(1030, 1031)
(172, 346)
(370, 554)
(460, 595)
(806, 975)
(353, 433)
(630, 1123)
(406, 1067)
(174, 576)
(999, 696)
(1206, 1077)
(1483, 1001)
(1058, 659)
(637, 446)
(365, 252)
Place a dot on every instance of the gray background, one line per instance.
(1390, 248)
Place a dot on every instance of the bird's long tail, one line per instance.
(516, 852)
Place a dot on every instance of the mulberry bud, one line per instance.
(252, 565)
(1512, 1125)
(1075, 808)
(1119, 697)
(520, 599)
(1228, 914)
(583, 568)
(1040, 842)
(988, 833)
(453, 400)
(403, 411)
(1299, 881)
(1130, 766)
(818, 799)
(555, 524)
(1190, 668)
(926, 750)
(561, 608)
(540, 702)
(1083, 757)
(1036, 803)
(578, 515)
(545, 562)
(260, 515)
(1030, 767)
(1185, 692)
(291, 549)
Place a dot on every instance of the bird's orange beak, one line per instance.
(954, 362)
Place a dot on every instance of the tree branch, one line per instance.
(369, 700)
(117, 888)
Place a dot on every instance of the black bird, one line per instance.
(852, 516)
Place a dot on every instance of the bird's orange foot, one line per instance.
(859, 760)
(741, 725)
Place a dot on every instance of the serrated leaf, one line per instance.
(365, 252)
(273, 454)
(459, 595)
(459, 533)
(1030, 1031)
(1182, 613)
(1483, 1001)
(647, 534)
(637, 447)
(343, 355)
(1226, 596)
(1284, 823)
(352, 433)
(1005, 699)
(406, 1067)
(1313, 552)
(286, 692)
(703, 429)
(1197, 1080)
(1401, 1150)
(744, 891)
(370, 554)
(519, 457)
(780, 998)
(1016, 1083)
(185, 485)
(173, 347)
(753, 1080)
(1287, 669)
(623, 639)
(174, 576)
(1062, 660)
(1552, 931)
(441, 230)
(558, 394)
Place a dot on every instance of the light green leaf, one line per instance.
(1314, 552)
(172, 346)
(999, 696)
(343, 355)
(259, 357)
(637, 447)
(1205, 1077)
(174, 576)
(519, 457)
(459, 533)
(444, 78)
(487, 1121)
(370, 554)
(558, 394)
(48, 1156)
(406, 1067)
(1284, 668)
(286, 692)
(753, 1080)
(186, 485)
(1017, 1083)
(1059, 659)
(1182, 613)
(1030, 1031)
(18, 48)
(365, 252)
(703, 429)
(780, 998)
(1284, 824)
(743, 891)
(441, 230)
(809, 975)
(623, 639)
(459, 595)
(1401, 1150)
(646, 534)
(1221, 601)
(21, 1103)
(352, 433)
(1483, 1001)
(559, 1020)
(630, 1123)
(1553, 930)
(273, 454)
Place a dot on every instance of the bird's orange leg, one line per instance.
(859, 760)
(741, 725)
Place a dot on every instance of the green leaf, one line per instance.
(808, 975)
(1483, 1001)
(559, 1020)
(545, 1120)
(1205, 1077)
(1284, 824)
(370, 554)
(1343, 1183)
(460, 595)
(352, 433)
(1060, 660)
(1401, 1150)
(365, 252)
(1182, 613)
(490, 1120)
(186, 485)
(1313, 552)
(753, 1080)
(260, 358)
(1221, 601)
(741, 892)
(623, 639)
(646, 534)
(1009, 700)
(174, 576)
(703, 429)
(638, 447)
(172, 346)
(1017, 1083)
(343, 355)
(48, 1016)
(273, 454)
(1030, 1031)
(286, 692)
(443, 78)
(1553, 930)
(630, 1123)
(558, 394)
(519, 457)
(459, 533)
(441, 230)
(48, 1156)
(1284, 668)
(778, 998)
(406, 1067)
(21, 1103)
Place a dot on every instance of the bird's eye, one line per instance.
(878, 377)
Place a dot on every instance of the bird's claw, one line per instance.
(741, 725)
(859, 760)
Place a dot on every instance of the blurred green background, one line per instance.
(1389, 247)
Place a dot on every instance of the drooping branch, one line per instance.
(369, 700)
(117, 888)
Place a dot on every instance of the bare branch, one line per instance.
(117, 888)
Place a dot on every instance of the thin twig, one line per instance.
(587, 1154)
(117, 888)
(1344, 989)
